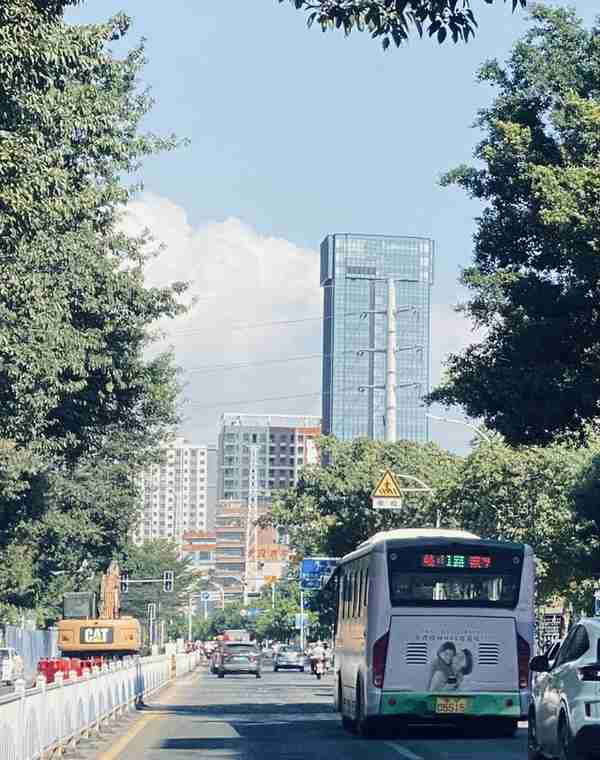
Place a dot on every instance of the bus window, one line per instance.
(359, 593)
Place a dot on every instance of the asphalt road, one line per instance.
(283, 716)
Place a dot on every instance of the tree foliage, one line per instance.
(393, 20)
(81, 404)
(543, 496)
(535, 279)
(330, 511)
(528, 495)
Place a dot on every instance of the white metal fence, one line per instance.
(35, 722)
(32, 646)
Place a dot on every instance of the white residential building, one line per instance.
(174, 493)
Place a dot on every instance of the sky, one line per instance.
(294, 134)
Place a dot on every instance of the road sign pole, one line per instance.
(205, 609)
(302, 620)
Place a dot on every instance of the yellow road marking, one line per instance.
(117, 748)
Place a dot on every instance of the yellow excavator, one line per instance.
(85, 631)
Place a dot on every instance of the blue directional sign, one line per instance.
(314, 570)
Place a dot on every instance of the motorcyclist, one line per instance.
(317, 656)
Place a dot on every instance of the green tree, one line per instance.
(393, 20)
(81, 403)
(536, 271)
(330, 510)
(527, 495)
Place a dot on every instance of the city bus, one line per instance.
(434, 625)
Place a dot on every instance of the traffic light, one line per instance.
(168, 581)
(124, 583)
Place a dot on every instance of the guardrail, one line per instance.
(36, 722)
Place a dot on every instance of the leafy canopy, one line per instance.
(81, 404)
(330, 510)
(393, 20)
(535, 278)
(543, 496)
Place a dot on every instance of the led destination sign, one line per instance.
(457, 561)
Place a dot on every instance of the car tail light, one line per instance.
(589, 672)
(252, 658)
(523, 656)
(380, 648)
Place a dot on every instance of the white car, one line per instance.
(564, 715)
(11, 665)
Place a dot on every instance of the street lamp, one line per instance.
(479, 432)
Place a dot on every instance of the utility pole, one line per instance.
(252, 516)
(390, 384)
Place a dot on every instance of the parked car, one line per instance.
(11, 665)
(289, 658)
(564, 715)
(238, 658)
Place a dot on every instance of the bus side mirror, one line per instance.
(539, 664)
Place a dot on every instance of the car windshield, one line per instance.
(240, 648)
(289, 650)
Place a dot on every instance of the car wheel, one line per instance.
(566, 744)
(221, 675)
(301, 670)
(275, 669)
(258, 675)
(533, 748)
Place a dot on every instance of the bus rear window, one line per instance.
(454, 577)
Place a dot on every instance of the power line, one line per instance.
(222, 404)
(248, 401)
(242, 365)
(250, 326)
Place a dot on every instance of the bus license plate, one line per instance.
(450, 705)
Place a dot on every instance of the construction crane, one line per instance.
(88, 630)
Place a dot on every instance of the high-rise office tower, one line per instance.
(355, 270)
(174, 493)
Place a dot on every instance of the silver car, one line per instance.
(289, 658)
(238, 658)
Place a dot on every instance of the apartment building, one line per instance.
(230, 557)
(174, 493)
(277, 447)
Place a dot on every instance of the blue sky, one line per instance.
(294, 134)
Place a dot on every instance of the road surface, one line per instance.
(283, 716)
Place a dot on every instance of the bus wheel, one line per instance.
(365, 727)
(337, 701)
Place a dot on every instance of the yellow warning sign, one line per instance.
(387, 487)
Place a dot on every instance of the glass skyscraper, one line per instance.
(354, 274)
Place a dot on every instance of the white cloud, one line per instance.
(240, 277)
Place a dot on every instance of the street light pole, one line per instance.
(477, 430)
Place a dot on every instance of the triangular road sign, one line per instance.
(387, 487)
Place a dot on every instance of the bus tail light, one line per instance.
(523, 656)
(380, 649)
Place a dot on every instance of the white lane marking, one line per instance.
(403, 752)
